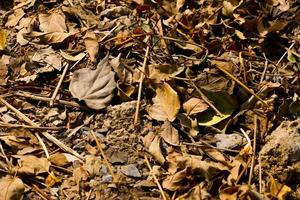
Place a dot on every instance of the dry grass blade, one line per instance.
(9, 125)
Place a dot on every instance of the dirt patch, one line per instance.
(281, 155)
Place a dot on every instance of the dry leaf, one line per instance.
(166, 104)
(94, 87)
(32, 165)
(48, 57)
(91, 44)
(169, 133)
(54, 22)
(152, 143)
(12, 188)
(66, 56)
(178, 181)
(179, 4)
(2, 39)
(277, 190)
(51, 179)
(14, 18)
(48, 38)
(194, 106)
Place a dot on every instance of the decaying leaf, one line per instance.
(48, 38)
(166, 104)
(169, 133)
(14, 18)
(91, 44)
(12, 188)
(48, 57)
(94, 87)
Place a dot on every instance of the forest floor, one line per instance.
(149, 99)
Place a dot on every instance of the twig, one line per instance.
(58, 85)
(9, 125)
(6, 158)
(26, 119)
(112, 30)
(137, 109)
(44, 133)
(155, 179)
(209, 145)
(242, 65)
(47, 99)
(104, 157)
(254, 149)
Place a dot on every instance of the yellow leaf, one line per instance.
(12, 188)
(2, 39)
(277, 189)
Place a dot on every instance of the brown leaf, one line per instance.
(12, 188)
(194, 106)
(166, 104)
(91, 44)
(14, 18)
(94, 87)
(51, 180)
(277, 190)
(54, 22)
(169, 133)
(48, 38)
(177, 181)
(152, 143)
(32, 165)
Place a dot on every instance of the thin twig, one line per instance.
(9, 125)
(44, 133)
(58, 85)
(104, 157)
(47, 99)
(260, 173)
(137, 109)
(155, 179)
(254, 149)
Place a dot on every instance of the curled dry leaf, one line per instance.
(94, 87)
(91, 44)
(12, 188)
(166, 104)
(72, 58)
(48, 38)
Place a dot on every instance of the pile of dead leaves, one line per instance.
(212, 80)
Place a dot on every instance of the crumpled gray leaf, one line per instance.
(94, 87)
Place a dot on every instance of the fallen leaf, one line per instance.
(166, 103)
(32, 165)
(14, 18)
(277, 190)
(12, 188)
(2, 39)
(48, 57)
(179, 4)
(169, 133)
(51, 179)
(163, 72)
(194, 106)
(152, 144)
(48, 38)
(177, 181)
(53, 22)
(66, 56)
(229, 6)
(91, 44)
(94, 87)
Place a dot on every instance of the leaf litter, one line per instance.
(215, 85)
